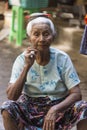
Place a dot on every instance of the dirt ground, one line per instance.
(68, 39)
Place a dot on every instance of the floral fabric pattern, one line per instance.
(31, 112)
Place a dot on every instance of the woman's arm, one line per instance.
(56, 110)
(14, 89)
(74, 95)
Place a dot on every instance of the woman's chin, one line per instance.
(42, 47)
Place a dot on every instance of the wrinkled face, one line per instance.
(41, 36)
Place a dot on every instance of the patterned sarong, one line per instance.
(31, 112)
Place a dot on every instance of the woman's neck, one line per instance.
(43, 57)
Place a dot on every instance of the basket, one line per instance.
(30, 4)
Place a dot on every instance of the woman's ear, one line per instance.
(28, 37)
(29, 40)
(54, 37)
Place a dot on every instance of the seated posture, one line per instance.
(43, 90)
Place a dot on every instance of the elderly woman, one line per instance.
(43, 91)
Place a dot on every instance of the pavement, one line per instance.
(68, 39)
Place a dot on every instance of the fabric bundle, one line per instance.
(83, 47)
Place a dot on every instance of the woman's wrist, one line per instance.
(55, 108)
(27, 66)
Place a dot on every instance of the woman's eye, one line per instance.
(36, 34)
(46, 34)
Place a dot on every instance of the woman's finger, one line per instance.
(53, 125)
(49, 125)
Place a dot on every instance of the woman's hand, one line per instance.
(29, 56)
(50, 119)
(57, 111)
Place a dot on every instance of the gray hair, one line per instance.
(40, 20)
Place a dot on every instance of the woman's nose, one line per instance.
(41, 38)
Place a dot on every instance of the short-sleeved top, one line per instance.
(54, 79)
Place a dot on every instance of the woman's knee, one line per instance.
(5, 114)
(82, 125)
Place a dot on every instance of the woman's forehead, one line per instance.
(42, 26)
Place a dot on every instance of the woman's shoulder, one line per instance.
(20, 57)
(58, 52)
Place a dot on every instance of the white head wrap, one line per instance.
(40, 20)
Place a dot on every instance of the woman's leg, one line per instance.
(8, 122)
(82, 125)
